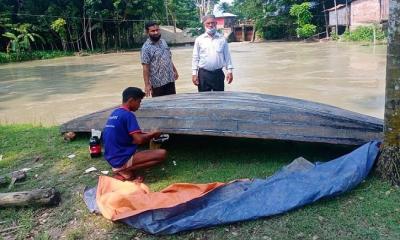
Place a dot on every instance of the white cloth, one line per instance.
(211, 53)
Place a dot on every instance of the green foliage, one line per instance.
(185, 13)
(22, 38)
(364, 34)
(302, 12)
(34, 55)
(306, 31)
(225, 7)
(334, 36)
(90, 24)
(58, 26)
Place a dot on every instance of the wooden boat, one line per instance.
(247, 115)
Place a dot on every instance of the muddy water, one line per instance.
(50, 92)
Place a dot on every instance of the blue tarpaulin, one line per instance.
(296, 185)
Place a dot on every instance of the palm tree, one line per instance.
(389, 161)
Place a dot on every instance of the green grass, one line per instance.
(371, 211)
(364, 34)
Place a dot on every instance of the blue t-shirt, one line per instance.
(118, 143)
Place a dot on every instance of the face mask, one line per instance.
(155, 38)
(211, 31)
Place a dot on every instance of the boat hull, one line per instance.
(248, 115)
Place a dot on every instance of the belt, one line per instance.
(213, 71)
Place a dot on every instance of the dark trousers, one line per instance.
(166, 89)
(211, 80)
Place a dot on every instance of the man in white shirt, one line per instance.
(210, 55)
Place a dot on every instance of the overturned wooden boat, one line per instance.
(248, 115)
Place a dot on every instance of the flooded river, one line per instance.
(51, 92)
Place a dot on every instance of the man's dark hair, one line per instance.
(132, 92)
(150, 24)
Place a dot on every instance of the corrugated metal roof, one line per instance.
(226, 15)
(337, 7)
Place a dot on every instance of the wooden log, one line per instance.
(47, 196)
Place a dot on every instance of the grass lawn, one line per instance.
(371, 211)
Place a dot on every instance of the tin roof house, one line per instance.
(225, 22)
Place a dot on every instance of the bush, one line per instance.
(334, 36)
(36, 55)
(306, 31)
(3, 57)
(364, 34)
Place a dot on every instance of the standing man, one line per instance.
(159, 72)
(210, 54)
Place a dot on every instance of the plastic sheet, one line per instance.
(298, 184)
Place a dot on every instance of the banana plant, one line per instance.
(22, 39)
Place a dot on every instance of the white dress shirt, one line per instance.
(211, 53)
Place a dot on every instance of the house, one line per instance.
(358, 13)
(225, 22)
(342, 19)
(365, 12)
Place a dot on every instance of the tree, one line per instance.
(184, 12)
(304, 16)
(224, 7)
(23, 39)
(205, 7)
(58, 26)
(389, 160)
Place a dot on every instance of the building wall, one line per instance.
(225, 22)
(342, 17)
(220, 23)
(364, 12)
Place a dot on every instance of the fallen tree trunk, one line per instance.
(47, 196)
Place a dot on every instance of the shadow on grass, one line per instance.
(203, 159)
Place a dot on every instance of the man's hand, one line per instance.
(229, 78)
(195, 80)
(176, 75)
(142, 137)
(147, 90)
(155, 134)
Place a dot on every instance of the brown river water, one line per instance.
(51, 92)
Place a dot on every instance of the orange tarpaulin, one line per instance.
(118, 200)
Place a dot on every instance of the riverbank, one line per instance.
(34, 55)
(370, 211)
(49, 54)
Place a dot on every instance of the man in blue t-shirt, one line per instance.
(122, 134)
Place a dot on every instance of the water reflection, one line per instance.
(54, 91)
